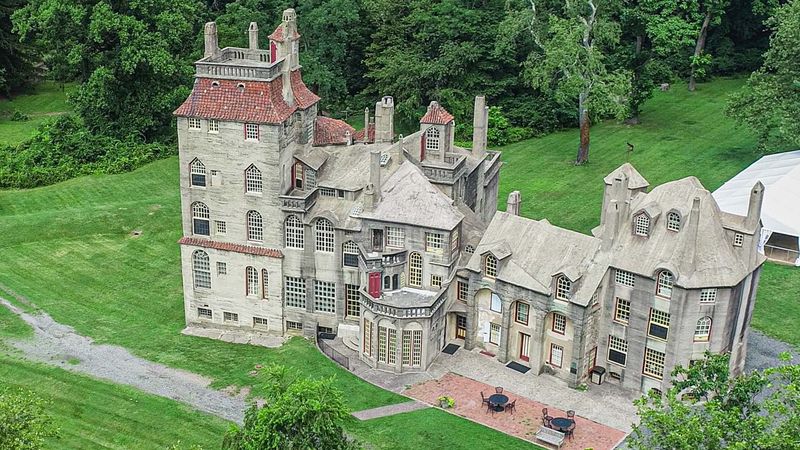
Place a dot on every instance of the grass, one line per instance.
(95, 414)
(46, 100)
(12, 326)
(778, 303)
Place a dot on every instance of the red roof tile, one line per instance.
(257, 102)
(328, 131)
(436, 115)
(365, 135)
(277, 35)
(303, 97)
(238, 248)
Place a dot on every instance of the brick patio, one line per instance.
(525, 421)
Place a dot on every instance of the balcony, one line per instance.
(295, 201)
(403, 310)
(240, 63)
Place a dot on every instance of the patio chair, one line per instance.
(570, 414)
(546, 418)
(484, 399)
(498, 390)
(570, 431)
(511, 406)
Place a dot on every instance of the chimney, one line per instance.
(514, 200)
(289, 47)
(480, 126)
(373, 190)
(211, 44)
(384, 120)
(754, 208)
(366, 120)
(611, 225)
(348, 137)
(253, 31)
(692, 231)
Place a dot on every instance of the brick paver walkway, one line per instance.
(389, 410)
(525, 421)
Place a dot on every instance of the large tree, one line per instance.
(24, 422)
(771, 99)
(15, 58)
(572, 61)
(706, 409)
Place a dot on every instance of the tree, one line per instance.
(24, 423)
(705, 409)
(299, 413)
(15, 58)
(769, 102)
(572, 63)
(711, 10)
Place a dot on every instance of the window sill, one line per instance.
(701, 341)
(652, 377)
(254, 194)
(619, 322)
(195, 186)
(615, 363)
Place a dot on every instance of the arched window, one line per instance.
(395, 282)
(641, 225)
(197, 173)
(264, 283)
(201, 219)
(490, 266)
(703, 329)
(350, 254)
(294, 232)
(324, 236)
(252, 280)
(252, 180)
(201, 270)
(664, 284)
(563, 288)
(387, 283)
(255, 226)
(673, 221)
(415, 269)
(432, 139)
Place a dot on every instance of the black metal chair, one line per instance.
(570, 431)
(484, 399)
(546, 419)
(498, 390)
(511, 406)
(570, 414)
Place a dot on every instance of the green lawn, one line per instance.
(46, 100)
(778, 304)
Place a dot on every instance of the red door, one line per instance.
(375, 284)
(273, 52)
(524, 347)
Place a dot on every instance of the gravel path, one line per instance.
(763, 351)
(389, 410)
(57, 344)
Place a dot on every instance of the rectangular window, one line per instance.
(260, 323)
(204, 313)
(350, 259)
(222, 268)
(494, 334)
(327, 192)
(559, 323)
(392, 351)
(395, 237)
(294, 326)
(311, 179)
(653, 363)
(213, 126)
(463, 291)
(324, 296)
(496, 304)
(251, 131)
(295, 292)
(708, 295)
(556, 355)
(298, 175)
(624, 278)
(454, 242)
(229, 317)
(434, 242)
(622, 311)
(659, 324)
(436, 281)
(523, 311)
(406, 348)
(382, 344)
(353, 308)
(617, 350)
(416, 348)
(367, 341)
(221, 226)
(194, 123)
(738, 239)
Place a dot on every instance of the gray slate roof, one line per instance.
(635, 179)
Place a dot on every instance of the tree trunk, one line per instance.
(698, 49)
(583, 148)
(633, 116)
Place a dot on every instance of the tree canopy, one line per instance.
(24, 423)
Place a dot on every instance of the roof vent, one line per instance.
(385, 159)
(215, 84)
(240, 86)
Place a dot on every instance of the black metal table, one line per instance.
(561, 424)
(498, 401)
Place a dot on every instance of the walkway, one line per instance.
(389, 410)
(523, 423)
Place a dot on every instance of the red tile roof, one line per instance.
(257, 102)
(365, 135)
(329, 131)
(436, 115)
(303, 97)
(277, 35)
(238, 248)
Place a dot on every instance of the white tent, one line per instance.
(780, 213)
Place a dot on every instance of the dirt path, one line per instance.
(59, 345)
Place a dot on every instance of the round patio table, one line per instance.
(561, 424)
(498, 401)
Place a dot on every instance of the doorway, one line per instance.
(524, 347)
(461, 326)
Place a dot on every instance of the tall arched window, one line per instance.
(201, 270)
(255, 226)
(201, 219)
(641, 225)
(563, 288)
(432, 139)
(264, 283)
(252, 180)
(197, 173)
(664, 284)
(324, 236)
(415, 269)
(294, 232)
(673, 221)
(703, 329)
(350, 254)
(252, 280)
(490, 266)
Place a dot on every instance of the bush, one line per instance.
(64, 148)
(500, 132)
(24, 420)
(19, 116)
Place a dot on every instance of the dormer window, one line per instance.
(641, 225)
(490, 266)
(673, 221)
(563, 288)
(664, 284)
(432, 137)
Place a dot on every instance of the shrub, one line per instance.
(19, 116)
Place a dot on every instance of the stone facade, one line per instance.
(295, 223)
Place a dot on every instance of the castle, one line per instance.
(296, 223)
